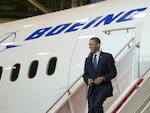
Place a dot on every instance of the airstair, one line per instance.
(136, 100)
(131, 93)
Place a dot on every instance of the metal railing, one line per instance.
(68, 90)
(120, 29)
(127, 45)
(143, 104)
(143, 100)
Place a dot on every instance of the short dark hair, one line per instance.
(97, 40)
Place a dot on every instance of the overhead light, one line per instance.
(82, 20)
(5, 44)
(87, 36)
(93, 5)
(27, 26)
(139, 15)
(42, 53)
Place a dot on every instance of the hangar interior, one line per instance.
(17, 9)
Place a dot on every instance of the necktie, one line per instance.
(95, 62)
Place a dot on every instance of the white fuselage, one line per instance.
(62, 37)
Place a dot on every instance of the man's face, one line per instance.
(94, 47)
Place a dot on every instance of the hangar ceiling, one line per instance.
(18, 9)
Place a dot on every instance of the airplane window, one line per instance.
(1, 70)
(15, 72)
(33, 69)
(51, 65)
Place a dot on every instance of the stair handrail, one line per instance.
(68, 90)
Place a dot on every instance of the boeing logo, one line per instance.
(7, 40)
(96, 22)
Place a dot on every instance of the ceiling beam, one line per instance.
(39, 6)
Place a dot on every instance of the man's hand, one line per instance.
(99, 80)
(90, 81)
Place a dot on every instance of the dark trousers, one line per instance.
(95, 101)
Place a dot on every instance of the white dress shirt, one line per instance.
(97, 55)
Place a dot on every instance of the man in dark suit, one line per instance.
(99, 70)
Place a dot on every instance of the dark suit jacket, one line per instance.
(106, 68)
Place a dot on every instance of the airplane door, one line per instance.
(111, 42)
